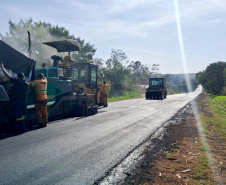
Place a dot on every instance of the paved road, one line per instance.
(78, 151)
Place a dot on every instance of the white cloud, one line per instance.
(116, 18)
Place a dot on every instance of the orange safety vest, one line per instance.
(104, 89)
(40, 89)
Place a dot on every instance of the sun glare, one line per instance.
(194, 105)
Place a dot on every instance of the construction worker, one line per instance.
(104, 89)
(18, 98)
(40, 86)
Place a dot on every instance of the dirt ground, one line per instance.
(183, 160)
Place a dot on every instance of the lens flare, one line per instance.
(194, 105)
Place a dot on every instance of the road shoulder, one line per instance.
(182, 159)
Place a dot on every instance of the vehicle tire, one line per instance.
(67, 110)
(94, 110)
(85, 111)
(165, 95)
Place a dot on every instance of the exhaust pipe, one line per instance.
(29, 42)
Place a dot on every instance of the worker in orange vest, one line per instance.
(104, 89)
(40, 86)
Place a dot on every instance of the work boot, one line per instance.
(42, 125)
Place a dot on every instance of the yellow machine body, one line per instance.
(156, 89)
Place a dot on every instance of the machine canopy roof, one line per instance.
(14, 60)
(64, 45)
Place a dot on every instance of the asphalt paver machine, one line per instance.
(72, 87)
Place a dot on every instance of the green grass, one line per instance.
(202, 170)
(221, 99)
(213, 118)
(217, 106)
(125, 96)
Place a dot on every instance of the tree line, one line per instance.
(213, 78)
(116, 70)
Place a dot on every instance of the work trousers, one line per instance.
(20, 109)
(105, 98)
(41, 112)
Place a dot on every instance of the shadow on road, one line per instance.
(153, 99)
(12, 131)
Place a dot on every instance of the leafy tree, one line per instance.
(224, 76)
(115, 70)
(140, 72)
(200, 77)
(182, 87)
(155, 70)
(42, 31)
(18, 39)
(167, 80)
(194, 84)
(99, 63)
(87, 52)
(212, 78)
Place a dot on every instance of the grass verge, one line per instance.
(214, 123)
(216, 117)
(125, 95)
(201, 170)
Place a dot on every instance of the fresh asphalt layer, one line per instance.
(79, 151)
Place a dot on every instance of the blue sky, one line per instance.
(146, 30)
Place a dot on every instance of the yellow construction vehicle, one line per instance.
(156, 89)
(82, 75)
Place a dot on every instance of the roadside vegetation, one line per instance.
(213, 78)
(217, 109)
(125, 96)
(214, 122)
